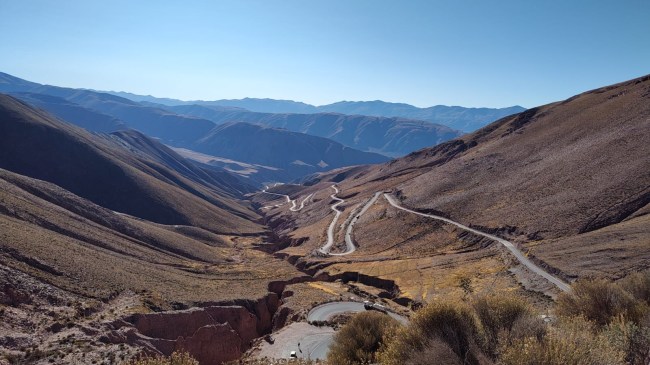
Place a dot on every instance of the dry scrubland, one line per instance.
(600, 322)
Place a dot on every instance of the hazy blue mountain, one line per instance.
(455, 117)
(296, 153)
(389, 136)
(154, 122)
(263, 105)
(73, 113)
(258, 152)
(145, 98)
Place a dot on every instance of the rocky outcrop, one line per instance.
(213, 334)
(212, 344)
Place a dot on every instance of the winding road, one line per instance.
(314, 342)
(308, 341)
(294, 206)
(327, 311)
(330, 230)
(507, 244)
(349, 242)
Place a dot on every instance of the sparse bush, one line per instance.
(631, 338)
(359, 340)
(528, 326)
(434, 349)
(497, 316)
(177, 358)
(438, 323)
(638, 285)
(573, 341)
(598, 300)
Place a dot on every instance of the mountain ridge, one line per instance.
(466, 119)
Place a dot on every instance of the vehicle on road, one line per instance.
(293, 355)
(368, 305)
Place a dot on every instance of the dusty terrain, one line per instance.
(568, 183)
(86, 283)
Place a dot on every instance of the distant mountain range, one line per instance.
(389, 136)
(297, 153)
(289, 155)
(181, 125)
(454, 117)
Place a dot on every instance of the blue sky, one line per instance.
(469, 53)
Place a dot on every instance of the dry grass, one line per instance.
(600, 323)
(439, 277)
(602, 301)
(572, 341)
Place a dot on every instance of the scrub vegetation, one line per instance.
(599, 322)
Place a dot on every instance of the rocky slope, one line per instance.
(98, 232)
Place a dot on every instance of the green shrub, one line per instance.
(358, 341)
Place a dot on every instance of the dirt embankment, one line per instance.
(212, 333)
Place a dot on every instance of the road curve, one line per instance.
(351, 247)
(507, 244)
(330, 230)
(327, 311)
(294, 206)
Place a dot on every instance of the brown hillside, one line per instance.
(569, 182)
(35, 144)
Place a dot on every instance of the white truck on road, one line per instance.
(368, 305)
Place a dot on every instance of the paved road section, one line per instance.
(327, 311)
(507, 244)
(330, 230)
(314, 342)
(349, 242)
(294, 206)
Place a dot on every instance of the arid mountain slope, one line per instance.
(222, 182)
(568, 183)
(98, 231)
(560, 169)
(33, 143)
